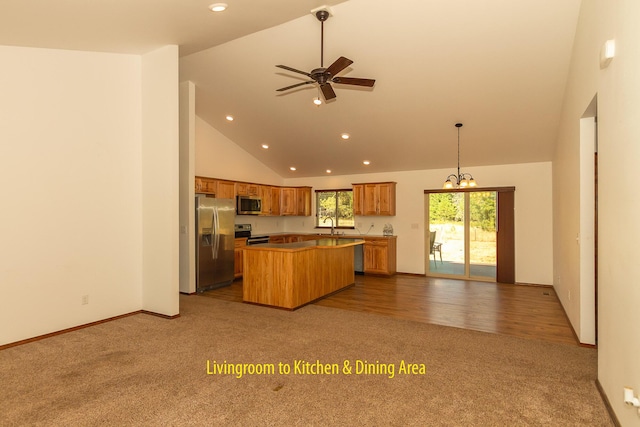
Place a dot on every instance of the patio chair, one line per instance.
(434, 246)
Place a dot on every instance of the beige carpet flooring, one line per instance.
(147, 371)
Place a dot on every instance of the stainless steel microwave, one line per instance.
(248, 205)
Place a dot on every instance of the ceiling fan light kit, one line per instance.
(323, 77)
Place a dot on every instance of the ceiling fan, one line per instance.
(325, 76)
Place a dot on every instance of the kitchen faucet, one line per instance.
(325, 220)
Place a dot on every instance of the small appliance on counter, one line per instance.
(387, 230)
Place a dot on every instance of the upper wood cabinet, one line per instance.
(220, 188)
(247, 189)
(358, 200)
(206, 185)
(375, 198)
(295, 201)
(303, 201)
(288, 201)
(226, 190)
(275, 200)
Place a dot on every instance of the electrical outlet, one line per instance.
(414, 226)
(85, 299)
(569, 295)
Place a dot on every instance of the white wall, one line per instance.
(160, 179)
(219, 157)
(618, 91)
(70, 126)
(187, 190)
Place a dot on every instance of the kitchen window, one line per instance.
(334, 208)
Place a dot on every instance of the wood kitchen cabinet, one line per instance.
(238, 258)
(205, 185)
(358, 199)
(226, 190)
(265, 197)
(380, 255)
(275, 200)
(247, 189)
(288, 201)
(270, 197)
(295, 201)
(220, 188)
(375, 198)
(303, 201)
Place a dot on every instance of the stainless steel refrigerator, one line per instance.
(215, 241)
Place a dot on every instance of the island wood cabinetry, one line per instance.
(291, 275)
(380, 255)
(374, 198)
(240, 243)
(379, 252)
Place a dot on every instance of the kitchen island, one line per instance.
(290, 275)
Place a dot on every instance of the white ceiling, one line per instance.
(497, 66)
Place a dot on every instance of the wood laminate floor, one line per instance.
(523, 311)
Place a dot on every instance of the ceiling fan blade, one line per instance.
(340, 64)
(295, 85)
(284, 67)
(327, 91)
(354, 81)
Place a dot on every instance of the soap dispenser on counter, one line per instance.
(387, 230)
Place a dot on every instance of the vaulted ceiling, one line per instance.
(497, 66)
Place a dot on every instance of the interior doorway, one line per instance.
(470, 234)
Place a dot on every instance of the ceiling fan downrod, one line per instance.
(322, 16)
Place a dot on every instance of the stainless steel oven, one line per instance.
(256, 240)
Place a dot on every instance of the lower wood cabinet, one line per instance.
(238, 257)
(380, 255)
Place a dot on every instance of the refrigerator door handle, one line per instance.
(215, 234)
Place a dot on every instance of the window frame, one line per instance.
(328, 225)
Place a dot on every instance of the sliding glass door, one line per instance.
(462, 234)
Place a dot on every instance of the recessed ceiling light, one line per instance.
(230, 118)
(265, 146)
(366, 162)
(218, 7)
(328, 170)
(345, 136)
(292, 168)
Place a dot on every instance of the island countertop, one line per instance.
(307, 244)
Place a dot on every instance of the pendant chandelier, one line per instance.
(461, 180)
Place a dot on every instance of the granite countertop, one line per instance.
(308, 244)
(321, 235)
